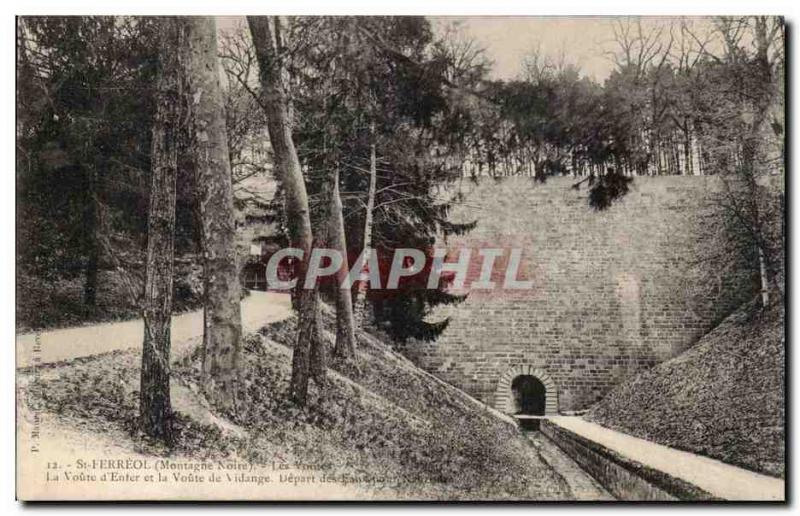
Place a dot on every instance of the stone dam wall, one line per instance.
(614, 291)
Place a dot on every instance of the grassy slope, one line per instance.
(387, 420)
(723, 398)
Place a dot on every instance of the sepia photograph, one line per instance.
(395, 258)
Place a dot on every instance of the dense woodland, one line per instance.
(133, 134)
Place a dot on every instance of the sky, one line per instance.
(508, 39)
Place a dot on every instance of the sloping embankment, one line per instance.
(723, 398)
(389, 427)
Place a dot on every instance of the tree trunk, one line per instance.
(361, 292)
(318, 358)
(764, 273)
(222, 333)
(90, 228)
(345, 324)
(752, 151)
(318, 353)
(287, 168)
(687, 153)
(155, 410)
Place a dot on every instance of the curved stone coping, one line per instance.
(637, 469)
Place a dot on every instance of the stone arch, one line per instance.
(504, 399)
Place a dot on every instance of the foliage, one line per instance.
(59, 303)
(360, 82)
(82, 136)
(85, 107)
(684, 98)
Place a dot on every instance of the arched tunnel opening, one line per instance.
(529, 400)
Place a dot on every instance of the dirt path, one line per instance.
(258, 309)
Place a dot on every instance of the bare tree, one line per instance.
(746, 57)
(640, 45)
(245, 116)
(765, 33)
(755, 92)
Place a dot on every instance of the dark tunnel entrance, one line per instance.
(529, 400)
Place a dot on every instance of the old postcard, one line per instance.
(400, 258)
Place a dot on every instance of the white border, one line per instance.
(239, 7)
